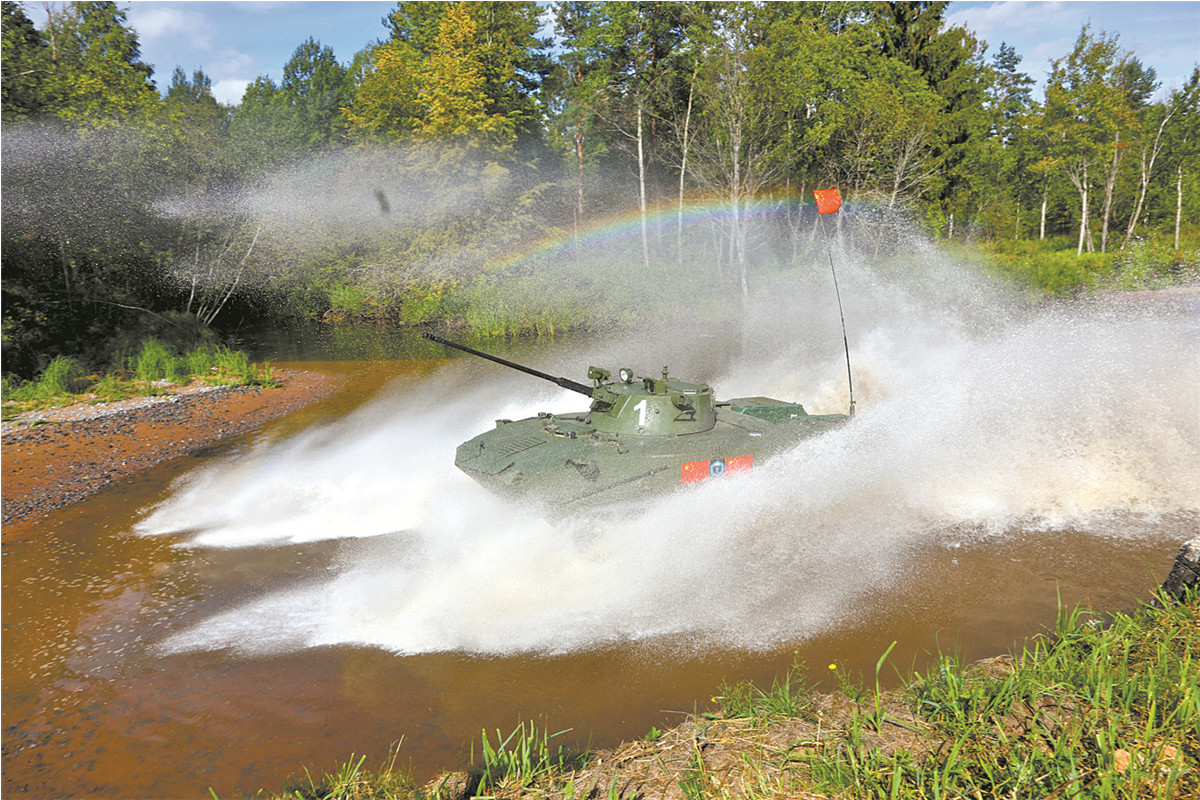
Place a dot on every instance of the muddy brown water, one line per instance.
(93, 708)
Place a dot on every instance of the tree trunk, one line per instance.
(579, 196)
(66, 270)
(642, 184)
(1178, 201)
(579, 158)
(687, 119)
(1110, 181)
(1147, 171)
(1042, 224)
(236, 278)
(1083, 214)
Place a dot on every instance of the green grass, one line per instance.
(1094, 711)
(521, 759)
(1053, 267)
(1101, 708)
(65, 380)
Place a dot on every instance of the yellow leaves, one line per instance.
(453, 89)
(385, 105)
(442, 95)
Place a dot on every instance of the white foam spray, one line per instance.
(978, 416)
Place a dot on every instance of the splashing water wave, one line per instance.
(970, 425)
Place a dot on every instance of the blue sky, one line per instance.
(235, 42)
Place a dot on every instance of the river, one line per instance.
(330, 585)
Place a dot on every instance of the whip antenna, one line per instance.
(829, 201)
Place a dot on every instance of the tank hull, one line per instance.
(564, 463)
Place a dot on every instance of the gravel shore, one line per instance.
(52, 458)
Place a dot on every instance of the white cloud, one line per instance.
(230, 91)
(168, 23)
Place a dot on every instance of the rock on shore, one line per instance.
(1186, 571)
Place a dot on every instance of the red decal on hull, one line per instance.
(694, 471)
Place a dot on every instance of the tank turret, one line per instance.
(651, 406)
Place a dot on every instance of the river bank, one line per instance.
(54, 457)
(1103, 705)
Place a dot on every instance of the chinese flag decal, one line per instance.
(739, 464)
(828, 200)
(694, 471)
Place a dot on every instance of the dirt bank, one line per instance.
(51, 458)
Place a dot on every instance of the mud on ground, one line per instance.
(52, 458)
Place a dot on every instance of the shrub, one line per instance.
(64, 375)
(157, 363)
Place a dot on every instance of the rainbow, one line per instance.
(627, 224)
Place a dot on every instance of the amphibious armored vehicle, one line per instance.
(639, 436)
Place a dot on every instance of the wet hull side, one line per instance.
(559, 461)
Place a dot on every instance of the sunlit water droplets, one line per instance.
(971, 423)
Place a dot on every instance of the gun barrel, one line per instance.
(565, 383)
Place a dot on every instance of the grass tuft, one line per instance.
(150, 372)
(522, 758)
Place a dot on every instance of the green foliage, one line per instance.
(1110, 710)
(315, 87)
(96, 73)
(24, 67)
(459, 140)
(351, 781)
(424, 301)
(1051, 267)
(147, 373)
(155, 363)
(62, 378)
(1154, 264)
(521, 758)
(349, 301)
(451, 92)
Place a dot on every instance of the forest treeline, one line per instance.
(399, 184)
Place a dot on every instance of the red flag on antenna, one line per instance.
(828, 200)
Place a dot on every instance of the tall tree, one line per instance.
(1155, 118)
(1004, 155)
(576, 95)
(195, 91)
(24, 64)
(736, 154)
(263, 127)
(387, 79)
(1010, 94)
(951, 62)
(1182, 149)
(513, 59)
(1134, 85)
(1084, 114)
(628, 45)
(96, 74)
(315, 87)
(452, 97)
